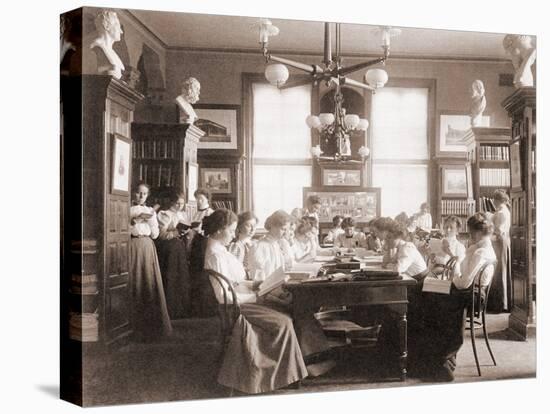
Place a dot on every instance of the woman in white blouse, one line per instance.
(450, 246)
(242, 244)
(442, 334)
(171, 248)
(501, 294)
(305, 246)
(263, 353)
(150, 317)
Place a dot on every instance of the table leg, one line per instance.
(402, 324)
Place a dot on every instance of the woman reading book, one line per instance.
(150, 317)
(263, 354)
(171, 248)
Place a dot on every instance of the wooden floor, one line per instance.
(185, 367)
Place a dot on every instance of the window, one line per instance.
(400, 150)
(281, 161)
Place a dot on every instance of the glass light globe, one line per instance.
(326, 119)
(313, 121)
(351, 121)
(276, 74)
(363, 124)
(376, 78)
(316, 151)
(363, 152)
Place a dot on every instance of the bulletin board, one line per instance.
(362, 205)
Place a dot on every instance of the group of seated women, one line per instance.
(269, 350)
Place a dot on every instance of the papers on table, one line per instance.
(300, 271)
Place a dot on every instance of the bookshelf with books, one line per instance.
(489, 154)
(220, 173)
(161, 156)
(521, 107)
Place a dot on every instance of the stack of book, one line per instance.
(84, 284)
(83, 327)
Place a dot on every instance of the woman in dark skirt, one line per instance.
(150, 318)
(171, 248)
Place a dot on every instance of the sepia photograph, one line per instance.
(297, 206)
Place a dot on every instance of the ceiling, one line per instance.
(202, 31)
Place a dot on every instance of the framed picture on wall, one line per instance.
(120, 165)
(221, 126)
(341, 177)
(216, 180)
(454, 181)
(192, 180)
(453, 129)
(515, 165)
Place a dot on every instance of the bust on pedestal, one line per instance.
(190, 91)
(523, 54)
(108, 31)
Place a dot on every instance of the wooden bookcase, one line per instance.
(162, 155)
(521, 107)
(455, 197)
(229, 168)
(488, 151)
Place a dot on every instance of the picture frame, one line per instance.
(453, 127)
(515, 165)
(344, 177)
(361, 204)
(192, 180)
(454, 181)
(221, 125)
(121, 165)
(216, 180)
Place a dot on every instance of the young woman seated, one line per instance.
(350, 239)
(372, 240)
(264, 353)
(241, 245)
(335, 231)
(305, 246)
(270, 253)
(443, 327)
(450, 246)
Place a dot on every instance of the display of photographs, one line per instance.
(216, 180)
(220, 124)
(120, 183)
(453, 128)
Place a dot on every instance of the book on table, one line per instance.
(299, 271)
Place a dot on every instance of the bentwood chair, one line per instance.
(449, 268)
(477, 307)
(229, 310)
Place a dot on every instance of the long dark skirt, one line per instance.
(263, 354)
(500, 297)
(150, 317)
(175, 276)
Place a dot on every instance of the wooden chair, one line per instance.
(476, 310)
(449, 269)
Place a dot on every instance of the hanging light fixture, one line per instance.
(337, 127)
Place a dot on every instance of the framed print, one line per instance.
(216, 180)
(341, 177)
(192, 180)
(120, 172)
(453, 128)
(454, 181)
(515, 165)
(362, 205)
(221, 126)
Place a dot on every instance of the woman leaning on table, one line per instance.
(263, 353)
(442, 334)
(149, 312)
(173, 224)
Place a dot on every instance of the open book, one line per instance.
(299, 271)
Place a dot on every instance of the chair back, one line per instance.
(478, 304)
(229, 311)
(449, 269)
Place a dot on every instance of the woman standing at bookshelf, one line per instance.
(173, 224)
(501, 295)
(150, 317)
(263, 353)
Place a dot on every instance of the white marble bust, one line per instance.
(523, 55)
(190, 91)
(478, 103)
(108, 32)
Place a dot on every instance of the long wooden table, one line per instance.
(308, 297)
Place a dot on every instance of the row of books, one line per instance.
(494, 153)
(84, 327)
(157, 149)
(227, 204)
(83, 284)
(486, 204)
(496, 177)
(157, 175)
(463, 207)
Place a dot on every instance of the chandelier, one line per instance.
(337, 127)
